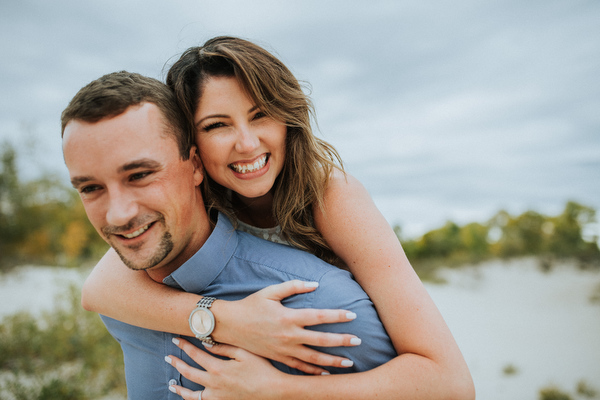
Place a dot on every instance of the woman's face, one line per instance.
(241, 148)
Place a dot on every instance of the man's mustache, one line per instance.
(136, 222)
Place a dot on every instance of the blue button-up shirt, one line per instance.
(232, 265)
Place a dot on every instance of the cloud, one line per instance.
(445, 109)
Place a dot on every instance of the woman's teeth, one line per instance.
(136, 233)
(244, 168)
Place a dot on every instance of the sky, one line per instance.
(445, 110)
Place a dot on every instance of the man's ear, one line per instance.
(197, 165)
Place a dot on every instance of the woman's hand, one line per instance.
(261, 325)
(244, 376)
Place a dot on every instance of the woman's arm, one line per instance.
(246, 376)
(358, 233)
(429, 365)
(277, 333)
(114, 290)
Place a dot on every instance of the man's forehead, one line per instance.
(143, 124)
(134, 139)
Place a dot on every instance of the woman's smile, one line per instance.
(247, 167)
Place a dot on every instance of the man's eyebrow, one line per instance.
(143, 163)
(79, 180)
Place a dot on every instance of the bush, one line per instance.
(553, 393)
(63, 354)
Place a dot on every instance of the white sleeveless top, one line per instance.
(270, 234)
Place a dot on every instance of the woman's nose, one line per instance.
(247, 140)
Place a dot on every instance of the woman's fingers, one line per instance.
(203, 359)
(280, 291)
(193, 374)
(221, 349)
(187, 394)
(313, 316)
(316, 358)
(328, 339)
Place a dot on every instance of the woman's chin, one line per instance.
(254, 194)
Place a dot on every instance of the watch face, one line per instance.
(202, 322)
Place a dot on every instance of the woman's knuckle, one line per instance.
(321, 316)
(314, 358)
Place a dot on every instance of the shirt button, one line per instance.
(172, 382)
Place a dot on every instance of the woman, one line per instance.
(267, 170)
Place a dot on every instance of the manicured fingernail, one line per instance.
(172, 389)
(176, 341)
(325, 373)
(351, 315)
(347, 363)
(355, 341)
(168, 359)
(311, 284)
(205, 344)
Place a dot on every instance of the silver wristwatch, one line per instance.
(202, 320)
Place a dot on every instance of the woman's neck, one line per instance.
(255, 211)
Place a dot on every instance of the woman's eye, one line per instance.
(213, 126)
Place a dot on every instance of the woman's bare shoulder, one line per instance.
(342, 183)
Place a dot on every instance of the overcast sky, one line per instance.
(444, 110)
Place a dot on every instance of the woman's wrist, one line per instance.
(221, 310)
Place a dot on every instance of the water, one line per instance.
(35, 288)
(501, 314)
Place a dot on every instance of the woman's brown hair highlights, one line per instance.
(309, 161)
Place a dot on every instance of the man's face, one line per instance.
(141, 197)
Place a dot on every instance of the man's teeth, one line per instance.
(136, 233)
(243, 168)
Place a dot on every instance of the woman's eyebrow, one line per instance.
(252, 109)
(211, 116)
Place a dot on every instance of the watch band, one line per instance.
(205, 303)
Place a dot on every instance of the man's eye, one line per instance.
(139, 175)
(89, 189)
(259, 115)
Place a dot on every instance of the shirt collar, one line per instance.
(204, 266)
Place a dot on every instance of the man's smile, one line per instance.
(136, 233)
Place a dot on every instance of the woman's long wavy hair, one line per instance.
(309, 161)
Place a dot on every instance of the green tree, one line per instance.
(474, 240)
(42, 221)
(11, 232)
(567, 238)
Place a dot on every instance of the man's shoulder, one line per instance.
(281, 257)
(298, 264)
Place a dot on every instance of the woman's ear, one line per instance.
(197, 165)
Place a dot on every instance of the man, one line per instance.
(130, 156)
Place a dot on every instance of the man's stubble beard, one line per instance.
(164, 248)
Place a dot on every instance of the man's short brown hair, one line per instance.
(112, 94)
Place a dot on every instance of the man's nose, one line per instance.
(247, 140)
(122, 208)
